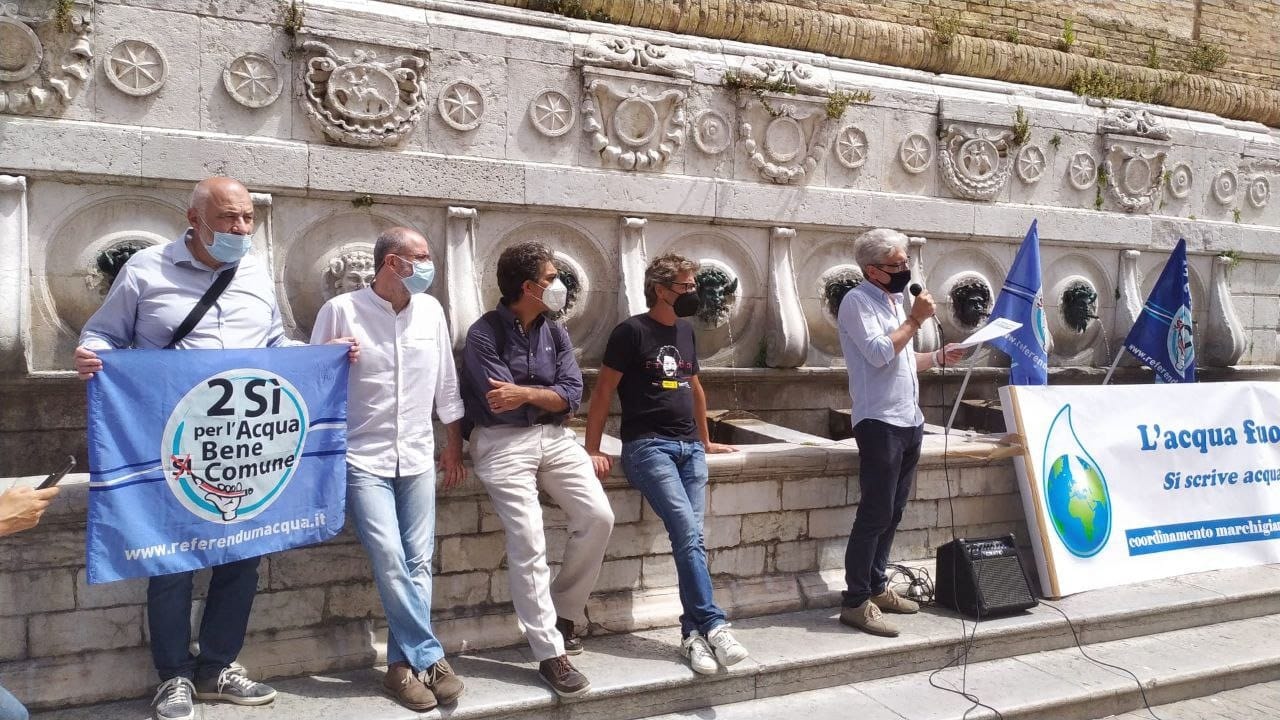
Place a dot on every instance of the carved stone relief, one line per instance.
(552, 113)
(1225, 187)
(463, 285)
(915, 153)
(1134, 173)
(1129, 300)
(1259, 192)
(634, 122)
(252, 80)
(926, 338)
(633, 259)
(787, 333)
(1180, 181)
(1077, 288)
(803, 79)
(784, 135)
(975, 163)
(14, 282)
(732, 281)
(40, 69)
(971, 299)
(851, 147)
(711, 132)
(1082, 172)
(461, 105)
(836, 282)
(624, 53)
(1133, 121)
(136, 67)
(1030, 164)
(360, 100)
(717, 292)
(576, 285)
(1225, 339)
(350, 268)
(101, 275)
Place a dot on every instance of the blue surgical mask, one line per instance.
(228, 247)
(423, 273)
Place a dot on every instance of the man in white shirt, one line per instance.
(406, 368)
(146, 308)
(876, 331)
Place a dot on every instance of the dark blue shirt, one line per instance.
(535, 358)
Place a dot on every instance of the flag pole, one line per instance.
(1112, 369)
(956, 408)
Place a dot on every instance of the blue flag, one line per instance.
(1163, 337)
(1021, 300)
(203, 457)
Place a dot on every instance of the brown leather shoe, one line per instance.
(563, 677)
(572, 643)
(401, 684)
(867, 618)
(442, 681)
(891, 601)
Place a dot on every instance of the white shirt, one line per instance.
(882, 385)
(405, 367)
(156, 290)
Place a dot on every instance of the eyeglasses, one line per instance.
(894, 267)
(683, 287)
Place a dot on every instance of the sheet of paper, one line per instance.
(992, 330)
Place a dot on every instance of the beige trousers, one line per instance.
(511, 463)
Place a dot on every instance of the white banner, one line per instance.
(1128, 483)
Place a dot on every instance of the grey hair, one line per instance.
(873, 246)
(663, 271)
(389, 243)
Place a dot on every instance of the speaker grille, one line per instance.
(982, 577)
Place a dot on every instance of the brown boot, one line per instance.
(563, 677)
(403, 685)
(442, 681)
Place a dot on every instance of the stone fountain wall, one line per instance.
(483, 126)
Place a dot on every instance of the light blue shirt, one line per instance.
(882, 385)
(158, 287)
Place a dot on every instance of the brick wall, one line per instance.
(777, 524)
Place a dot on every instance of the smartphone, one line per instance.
(55, 478)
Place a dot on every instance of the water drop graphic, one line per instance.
(1075, 489)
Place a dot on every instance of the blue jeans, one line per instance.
(887, 466)
(226, 617)
(10, 708)
(395, 519)
(672, 476)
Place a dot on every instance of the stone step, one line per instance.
(1179, 666)
(1252, 702)
(640, 674)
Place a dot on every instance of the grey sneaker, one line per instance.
(173, 700)
(728, 651)
(233, 686)
(867, 618)
(891, 602)
(698, 652)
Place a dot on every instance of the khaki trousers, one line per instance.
(511, 463)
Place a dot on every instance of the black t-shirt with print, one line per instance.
(656, 362)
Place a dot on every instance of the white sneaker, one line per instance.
(728, 651)
(698, 652)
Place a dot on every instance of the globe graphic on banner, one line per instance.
(1078, 505)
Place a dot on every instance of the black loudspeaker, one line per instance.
(982, 578)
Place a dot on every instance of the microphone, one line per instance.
(916, 288)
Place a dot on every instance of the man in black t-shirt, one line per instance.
(652, 361)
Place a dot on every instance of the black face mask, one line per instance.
(898, 281)
(686, 304)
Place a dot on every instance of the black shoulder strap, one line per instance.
(202, 306)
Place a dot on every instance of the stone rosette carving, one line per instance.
(717, 292)
(1225, 187)
(360, 100)
(40, 67)
(349, 269)
(711, 132)
(136, 67)
(252, 80)
(624, 53)
(1030, 164)
(975, 163)
(632, 126)
(1258, 192)
(461, 105)
(851, 148)
(1134, 175)
(915, 152)
(551, 113)
(1133, 121)
(1180, 180)
(1082, 171)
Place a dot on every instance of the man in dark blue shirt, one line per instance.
(521, 384)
